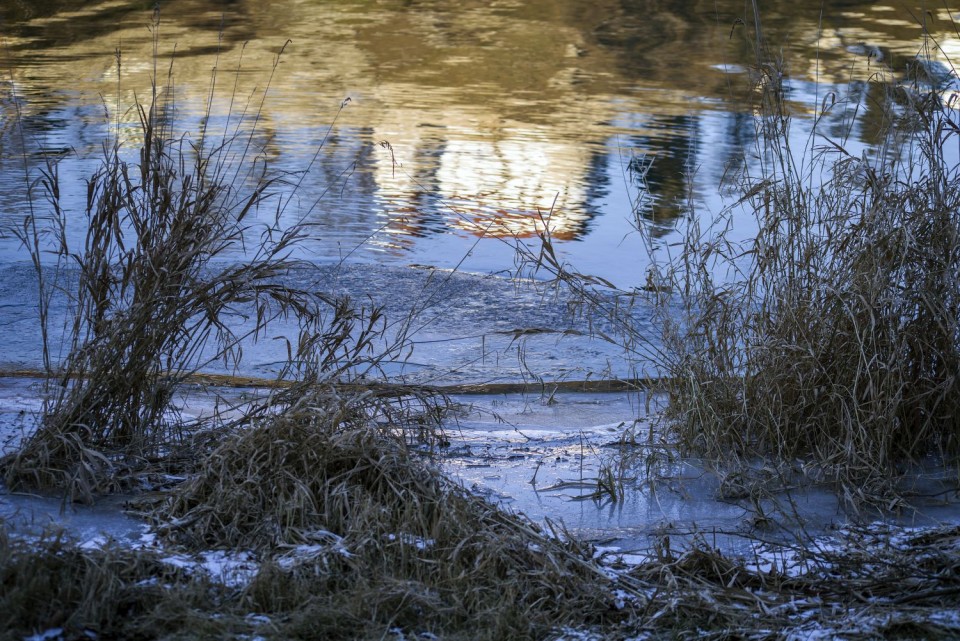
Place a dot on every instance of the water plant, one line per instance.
(157, 293)
(836, 341)
(830, 338)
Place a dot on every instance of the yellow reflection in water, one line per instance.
(497, 109)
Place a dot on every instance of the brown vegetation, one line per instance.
(837, 344)
(831, 338)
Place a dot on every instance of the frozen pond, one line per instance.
(469, 128)
(545, 455)
(465, 327)
(548, 456)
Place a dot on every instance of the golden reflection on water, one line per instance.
(494, 113)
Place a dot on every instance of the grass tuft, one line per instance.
(837, 340)
(831, 339)
(112, 591)
(156, 294)
(356, 529)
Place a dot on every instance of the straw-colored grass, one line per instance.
(837, 339)
(115, 592)
(831, 339)
(867, 584)
(357, 530)
(177, 270)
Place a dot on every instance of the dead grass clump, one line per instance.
(358, 530)
(892, 567)
(869, 583)
(831, 339)
(110, 592)
(836, 340)
(173, 275)
(316, 464)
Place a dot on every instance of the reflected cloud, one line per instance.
(507, 187)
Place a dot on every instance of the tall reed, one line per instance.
(167, 282)
(837, 340)
(832, 337)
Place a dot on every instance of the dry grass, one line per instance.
(114, 592)
(836, 339)
(832, 338)
(157, 294)
(359, 534)
(870, 583)
(501, 581)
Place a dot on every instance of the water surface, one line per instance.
(439, 134)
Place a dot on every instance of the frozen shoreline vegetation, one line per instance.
(317, 510)
(863, 583)
(292, 522)
(826, 345)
